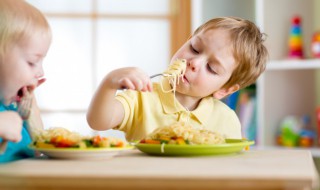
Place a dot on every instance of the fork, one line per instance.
(160, 74)
(24, 110)
(153, 76)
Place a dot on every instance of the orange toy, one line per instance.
(315, 46)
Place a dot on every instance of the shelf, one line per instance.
(288, 86)
(315, 152)
(293, 64)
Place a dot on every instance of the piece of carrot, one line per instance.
(96, 140)
(150, 141)
(44, 145)
(180, 141)
(119, 144)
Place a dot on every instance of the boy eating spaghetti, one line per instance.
(222, 56)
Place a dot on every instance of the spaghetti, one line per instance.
(181, 134)
(175, 71)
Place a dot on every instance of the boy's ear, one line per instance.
(223, 92)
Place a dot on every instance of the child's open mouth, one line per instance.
(19, 95)
(22, 92)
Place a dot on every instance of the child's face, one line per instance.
(210, 64)
(21, 67)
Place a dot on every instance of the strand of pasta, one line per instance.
(174, 72)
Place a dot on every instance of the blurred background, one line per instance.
(93, 37)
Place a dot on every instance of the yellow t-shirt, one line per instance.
(146, 111)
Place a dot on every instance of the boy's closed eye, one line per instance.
(35, 62)
(31, 64)
(193, 49)
(211, 70)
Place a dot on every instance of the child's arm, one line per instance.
(105, 112)
(10, 126)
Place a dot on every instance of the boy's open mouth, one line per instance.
(22, 92)
(19, 95)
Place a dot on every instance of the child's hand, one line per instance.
(105, 111)
(129, 78)
(10, 126)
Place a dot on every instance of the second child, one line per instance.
(25, 37)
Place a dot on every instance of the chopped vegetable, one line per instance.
(62, 138)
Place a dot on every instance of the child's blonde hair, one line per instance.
(248, 50)
(18, 21)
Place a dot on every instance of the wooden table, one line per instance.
(254, 169)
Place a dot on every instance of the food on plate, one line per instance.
(182, 134)
(59, 137)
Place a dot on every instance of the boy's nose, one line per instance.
(193, 65)
(40, 72)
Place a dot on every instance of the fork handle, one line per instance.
(159, 74)
(3, 146)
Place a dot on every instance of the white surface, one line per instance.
(62, 6)
(133, 7)
(293, 64)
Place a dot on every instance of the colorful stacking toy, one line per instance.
(295, 39)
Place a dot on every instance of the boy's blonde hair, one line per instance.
(248, 50)
(18, 21)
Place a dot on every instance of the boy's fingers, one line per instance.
(126, 84)
(149, 86)
(139, 84)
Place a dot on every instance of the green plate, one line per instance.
(231, 146)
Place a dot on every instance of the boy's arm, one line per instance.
(105, 112)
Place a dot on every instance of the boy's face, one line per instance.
(21, 67)
(210, 64)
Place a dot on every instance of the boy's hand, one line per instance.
(105, 111)
(129, 78)
(10, 126)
